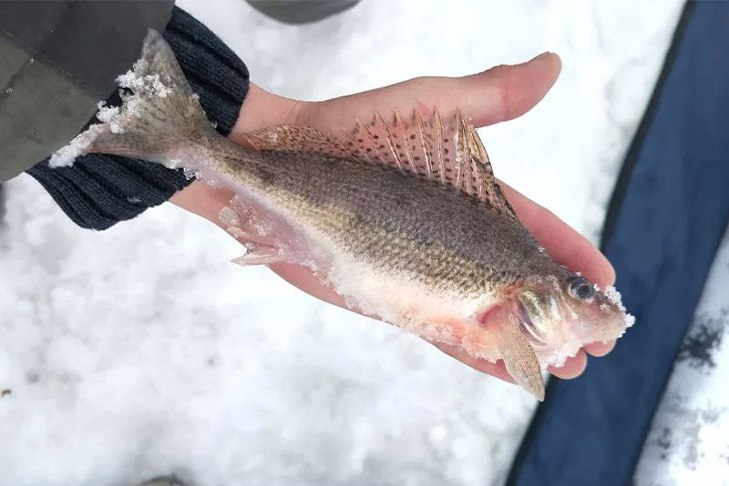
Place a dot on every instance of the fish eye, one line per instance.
(581, 289)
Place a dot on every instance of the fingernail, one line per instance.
(541, 56)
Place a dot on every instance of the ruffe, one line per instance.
(404, 218)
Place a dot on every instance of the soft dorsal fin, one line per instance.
(292, 138)
(450, 153)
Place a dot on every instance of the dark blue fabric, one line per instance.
(672, 211)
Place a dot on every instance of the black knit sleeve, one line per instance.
(100, 190)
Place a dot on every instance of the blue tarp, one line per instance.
(667, 217)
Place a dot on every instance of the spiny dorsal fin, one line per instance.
(486, 185)
(450, 153)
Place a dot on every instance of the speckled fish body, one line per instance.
(403, 218)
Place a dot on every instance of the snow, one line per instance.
(134, 80)
(65, 156)
(615, 299)
(141, 351)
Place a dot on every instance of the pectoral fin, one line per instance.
(520, 359)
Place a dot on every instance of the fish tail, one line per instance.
(160, 120)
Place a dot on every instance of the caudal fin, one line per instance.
(161, 119)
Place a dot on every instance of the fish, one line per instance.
(403, 217)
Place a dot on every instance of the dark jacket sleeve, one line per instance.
(101, 190)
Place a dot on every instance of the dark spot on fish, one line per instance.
(369, 149)
(5, 392)
(376, 137)
(412, 137)
(417, 158)
(360, 140)
(445, 140)
(397, 146)
(445, 151)
(382, 146)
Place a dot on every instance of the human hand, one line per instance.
(496, 95)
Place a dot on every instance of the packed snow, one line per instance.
(141, 351)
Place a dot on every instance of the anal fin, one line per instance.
(268, 238)
(263, 255)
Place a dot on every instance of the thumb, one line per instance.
(492, 96)
(505, 92)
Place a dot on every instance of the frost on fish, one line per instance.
(402, 217)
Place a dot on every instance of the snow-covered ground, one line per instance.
(140, 351)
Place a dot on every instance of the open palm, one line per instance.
(496, 95)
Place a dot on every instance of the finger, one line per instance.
(303, 278)
(506, 92)
(572, 368)
(600, 349)
(563, 243)
(495, 369)
(489, 97)
(203, 200)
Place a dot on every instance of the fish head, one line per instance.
(559, 315)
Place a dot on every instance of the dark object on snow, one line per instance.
(39, 113)
(665, 222)
(301, 11)
(164, 481)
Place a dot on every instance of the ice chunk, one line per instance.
(136, 82)
(614, 297)
(65, 156)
